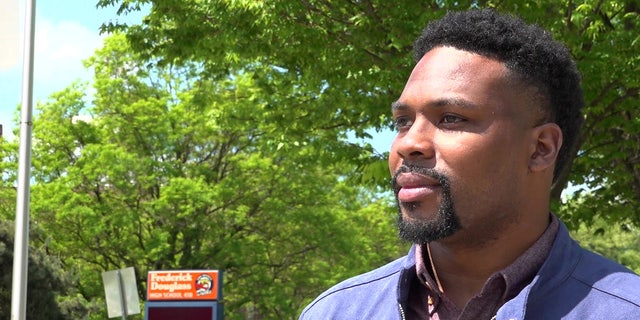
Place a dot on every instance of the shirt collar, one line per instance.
(515, 276)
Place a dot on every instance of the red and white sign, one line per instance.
(182, 285)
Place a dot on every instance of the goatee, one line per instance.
(424, 231)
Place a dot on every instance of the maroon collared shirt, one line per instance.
(427, 302)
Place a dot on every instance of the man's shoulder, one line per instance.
(376, 278)
(371, 278)
(371, 288)
(594, 287)
(571, 265)
(575, 283)
(608, 277)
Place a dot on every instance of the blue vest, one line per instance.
(573, 283)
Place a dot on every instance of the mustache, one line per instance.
(424, 171)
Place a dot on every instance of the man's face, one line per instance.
(460, 158)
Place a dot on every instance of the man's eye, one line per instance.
(403, 122)
(449, 118)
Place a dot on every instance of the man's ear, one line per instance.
(545, 146)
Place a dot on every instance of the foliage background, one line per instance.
(215, 135)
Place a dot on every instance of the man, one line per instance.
(488, 118)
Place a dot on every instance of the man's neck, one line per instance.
(463, 270)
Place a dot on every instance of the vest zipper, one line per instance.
(401, 311)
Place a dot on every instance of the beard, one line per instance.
(421, 231)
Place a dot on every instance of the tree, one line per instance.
(603, 36)
(359, 53)
(165, 169)
(50, 293)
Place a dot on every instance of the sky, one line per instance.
(66, 33)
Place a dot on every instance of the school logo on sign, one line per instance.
(204, 285)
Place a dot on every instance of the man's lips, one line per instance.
(412, 187)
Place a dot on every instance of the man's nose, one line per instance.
(417, 142)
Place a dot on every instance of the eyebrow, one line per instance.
(442, 102)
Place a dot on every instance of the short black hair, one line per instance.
(526, 50)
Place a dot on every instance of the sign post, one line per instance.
(121, 292)
(123, 300)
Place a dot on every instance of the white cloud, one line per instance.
(9, 22)
(59, 51)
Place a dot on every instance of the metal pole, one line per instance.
(123, 298)
(21, 242)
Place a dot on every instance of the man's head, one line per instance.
(490, 109)
(529, 51)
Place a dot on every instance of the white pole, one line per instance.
(123, 297)
(21, 244)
